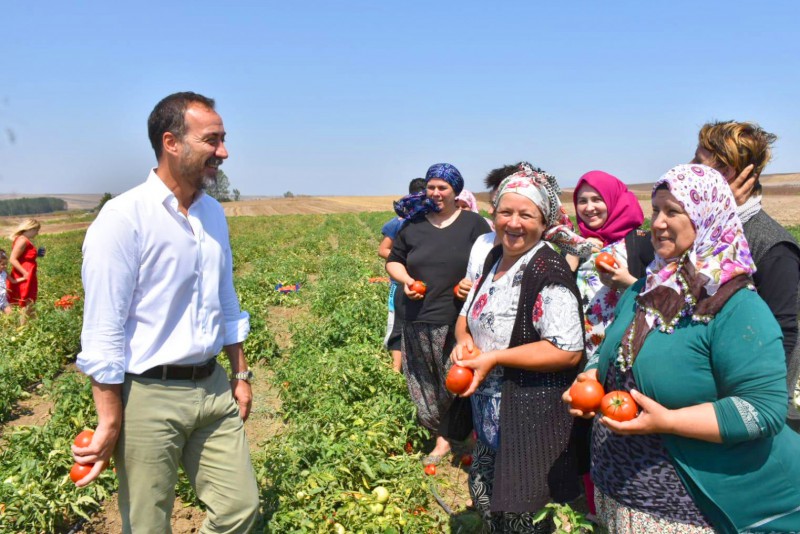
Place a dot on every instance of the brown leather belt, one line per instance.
(181, 372)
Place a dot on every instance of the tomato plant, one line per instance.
(418, 287)
(606, 259)
(458, 379)
(619, 406)
(586, 395)
(84, 439)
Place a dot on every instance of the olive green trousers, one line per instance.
(190, 423)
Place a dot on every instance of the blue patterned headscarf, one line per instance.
(448, 173)
(414, 206)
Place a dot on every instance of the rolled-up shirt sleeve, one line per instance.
(109, 274)
(237, 321)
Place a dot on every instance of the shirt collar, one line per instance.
(163, 194)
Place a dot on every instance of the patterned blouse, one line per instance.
(491, 321)
(598, 300)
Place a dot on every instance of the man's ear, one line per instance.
(169, 143)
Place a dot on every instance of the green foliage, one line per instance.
(31, 206)
(105, 198)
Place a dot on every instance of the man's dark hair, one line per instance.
(169, 116)
(496, 176)
(417, 185)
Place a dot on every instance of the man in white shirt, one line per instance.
(160, 305)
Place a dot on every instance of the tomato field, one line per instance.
(346, 457)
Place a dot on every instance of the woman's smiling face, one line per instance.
(591, 207)
(519, 224)
(672, 230)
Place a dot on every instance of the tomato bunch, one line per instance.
(67, 301)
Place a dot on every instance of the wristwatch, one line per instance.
(247, 376)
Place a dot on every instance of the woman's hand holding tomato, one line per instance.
(481, 363)
(415, 290)
(653, 418)
(590, 375)
(611, 273)
(461, 290)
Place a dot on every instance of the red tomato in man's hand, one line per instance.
(84, 439)
(458, 379)
(79, 471)
(418, 287)
(619, 406)
(586, 395)
(430, 469)
(606, 259)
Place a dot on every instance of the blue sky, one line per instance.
(357, 98)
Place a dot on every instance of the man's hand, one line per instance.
(108, 401)
(244, 397)
(742, 186)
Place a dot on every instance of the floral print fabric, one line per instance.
(598, 300)
(720, 251)
(491, 318)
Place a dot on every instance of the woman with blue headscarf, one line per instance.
(433, 248)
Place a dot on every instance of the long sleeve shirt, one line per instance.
(158, 285)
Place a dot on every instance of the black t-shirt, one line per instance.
(438, 257)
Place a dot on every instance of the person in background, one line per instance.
(701, 354)
(433, 248)
(467, 201)
(160, 305)
(521, 330)
(22, 285)
(394, 322)
(4, 306)
(740, 151)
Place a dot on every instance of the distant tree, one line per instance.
(105, 198)
(288, 194)
(31, 206)
(236, 195)
(220, 188)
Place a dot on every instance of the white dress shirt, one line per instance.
(159, 285)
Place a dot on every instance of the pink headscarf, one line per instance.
(469, 198)
(624, 212)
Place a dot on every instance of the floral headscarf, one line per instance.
(469, 198)
(542, 189)
(624, 212)
(448, 173)
(698, 283)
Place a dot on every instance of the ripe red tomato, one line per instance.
(79, 471)
(586, 395)
(606, 259)
(455, 291)
(619, 406)
(458, 379)
(418, 287)
(466, 459)
(430, 469)
(84, 439)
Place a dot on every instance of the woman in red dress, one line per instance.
(22, 285)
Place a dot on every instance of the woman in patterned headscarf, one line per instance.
(521, 330)
(433, 247)
(701, 354)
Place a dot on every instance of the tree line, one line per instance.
(31, 206)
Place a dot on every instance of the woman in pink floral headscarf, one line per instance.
(701, 354)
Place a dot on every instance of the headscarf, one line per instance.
(417, 205)
(469, 198)
(542, 189)
(448, 173)
(624, 212)
(702, 280)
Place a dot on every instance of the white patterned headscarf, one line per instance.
(542, 189)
